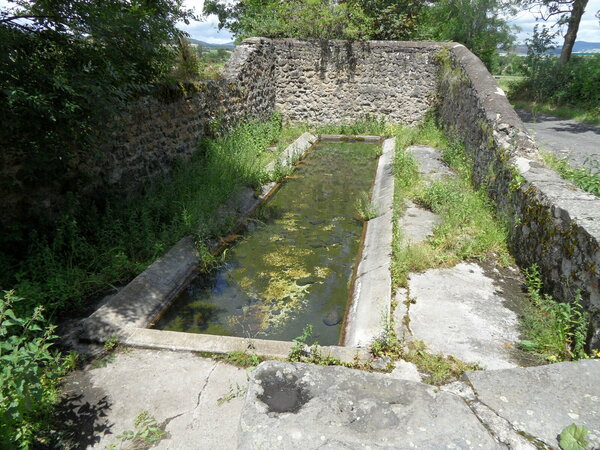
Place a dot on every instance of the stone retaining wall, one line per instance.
(341, 81)
(552, 223)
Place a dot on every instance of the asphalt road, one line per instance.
(578, 142)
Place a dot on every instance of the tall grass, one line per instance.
(468, 227)
(96, 247)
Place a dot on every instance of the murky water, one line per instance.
(293, 267)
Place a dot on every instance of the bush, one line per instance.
(28, 377)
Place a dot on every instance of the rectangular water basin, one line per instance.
(293, 266)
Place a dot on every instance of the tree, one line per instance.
(391, 19)
(478, 24)
(65, 68)
(308, 19)
(565, 12)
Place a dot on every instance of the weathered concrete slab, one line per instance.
(138, 303)
(417, 224)
(209, 343)
(293, 152)
(462, 311)
(371, 300)
(542, 401)
(430, 162)
(290, 406)
(180, 390)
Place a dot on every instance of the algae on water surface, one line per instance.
(294, 267)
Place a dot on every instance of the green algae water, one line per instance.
(294, 265)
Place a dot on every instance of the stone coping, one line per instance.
(207, 343)
(369, 312)
(553, 223)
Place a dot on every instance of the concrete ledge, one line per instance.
(149, 294)
(371, 299)
(346, 138)
(138, 303)
(208, 343)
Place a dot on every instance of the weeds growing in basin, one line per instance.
(587, 179)
(365, 210)
(555, 331)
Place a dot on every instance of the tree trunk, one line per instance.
(576, 13)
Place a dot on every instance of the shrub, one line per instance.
(28, 375)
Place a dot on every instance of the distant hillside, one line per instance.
(579, 47)
(228, 45)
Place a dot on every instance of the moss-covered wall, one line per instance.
(552, 223)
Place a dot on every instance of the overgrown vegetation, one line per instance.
(438, 368)
(587, 179)
(553, 330)
(96, 247)
(29, 374)
(571, 89)
(468, 227)
(479, 24)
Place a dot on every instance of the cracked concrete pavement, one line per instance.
(181, 390)
(291, 405)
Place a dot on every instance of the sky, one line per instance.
(589, 29)
(207, 29)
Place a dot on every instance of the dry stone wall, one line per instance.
(552, 223)
(341, 81)
(157, 130)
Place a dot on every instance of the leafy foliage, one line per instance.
(66, 68)
(28, 374)
(478, 24)
(555, 331)
(575, 83)
(573, 438)
(308, 19)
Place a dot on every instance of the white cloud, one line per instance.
(589, 28)
(206, 29)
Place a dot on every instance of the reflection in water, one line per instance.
(293, 267)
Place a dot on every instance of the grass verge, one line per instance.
(468, 228)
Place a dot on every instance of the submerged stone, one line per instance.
(333, 316)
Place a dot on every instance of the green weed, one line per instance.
(439, 369)
(365, 210)
(238, 391)
(146, 430)
(553, 330)
(29, 375)
(587, 179)
(242, 359)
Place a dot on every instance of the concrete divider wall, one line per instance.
(552, 223)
